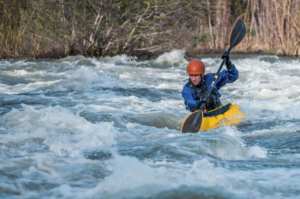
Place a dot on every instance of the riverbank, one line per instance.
(146, 53)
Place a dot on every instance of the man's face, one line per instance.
(195, 79)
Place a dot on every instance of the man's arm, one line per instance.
(190, 102)
(233, 73)
(230, 75)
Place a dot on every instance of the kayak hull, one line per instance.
(233, 116)
(226, 115)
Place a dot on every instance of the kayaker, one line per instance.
(196, 88)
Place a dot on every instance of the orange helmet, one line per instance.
(195, 67)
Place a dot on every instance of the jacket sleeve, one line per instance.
(233, 74)
(189, 100)
(230, 75)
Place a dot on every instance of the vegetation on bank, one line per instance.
(58, 28)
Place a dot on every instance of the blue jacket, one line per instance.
(189, 95)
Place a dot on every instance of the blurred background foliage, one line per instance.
(58, 28)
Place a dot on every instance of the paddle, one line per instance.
(192, 123)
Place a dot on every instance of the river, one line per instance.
(110, 128)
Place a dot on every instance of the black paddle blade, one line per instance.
(189, 120)
(237, 34)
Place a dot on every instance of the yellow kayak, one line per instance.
(225, 115)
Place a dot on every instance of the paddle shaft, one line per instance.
(192, 126)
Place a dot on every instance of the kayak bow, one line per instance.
(225, 115)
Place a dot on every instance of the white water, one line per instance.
(109, 128)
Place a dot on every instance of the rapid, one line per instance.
(110, 128)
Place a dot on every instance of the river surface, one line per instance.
(110, 128)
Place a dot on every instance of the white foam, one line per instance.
(275, 130)
(20, 88)
(265, 90)
(209, 61)
(173, 56)
(64, 132)
(132, 178)
(257, 151)
(120, 59)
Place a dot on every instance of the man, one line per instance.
(195, 90)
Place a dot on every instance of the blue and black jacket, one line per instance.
(189, 91)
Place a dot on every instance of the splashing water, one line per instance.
(109, 128)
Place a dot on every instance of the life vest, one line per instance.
(201, 90)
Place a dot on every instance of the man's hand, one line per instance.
(227, 62)
(202, 101)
